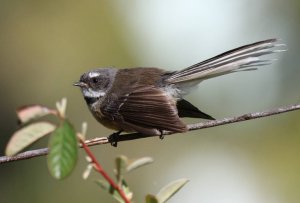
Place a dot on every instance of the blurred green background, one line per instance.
(46, 45)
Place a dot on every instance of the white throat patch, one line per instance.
(93, 94)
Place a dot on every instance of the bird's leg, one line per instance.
(114, 138)
(161, 136)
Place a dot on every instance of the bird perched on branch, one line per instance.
(151, 100)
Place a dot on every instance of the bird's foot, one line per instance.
(161, 136)
(114, 138)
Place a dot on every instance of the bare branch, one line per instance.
(133, 136)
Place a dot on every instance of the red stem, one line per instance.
(99, 168)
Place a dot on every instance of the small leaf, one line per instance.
(84, 127)
(103, 184)
(138, 163)
(121, 164)
(28, 113)
(107, 187)
(151, 199)
(169, 190)
(27, 135)
(61, 107)
(87, 171)
(63, 151)
(126, 190)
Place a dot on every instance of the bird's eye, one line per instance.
(95, 80)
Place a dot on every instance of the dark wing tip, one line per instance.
(186, 109)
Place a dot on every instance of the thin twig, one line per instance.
(99, 168)
(133, 136)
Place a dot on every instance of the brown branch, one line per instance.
(99, 168)
(133, 136)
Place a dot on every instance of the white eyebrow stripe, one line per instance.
(94, 74)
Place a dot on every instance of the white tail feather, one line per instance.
(242, 58)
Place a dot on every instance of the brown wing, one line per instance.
(147, 110)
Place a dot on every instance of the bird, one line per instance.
(150, 100)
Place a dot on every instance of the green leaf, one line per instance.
(30, 112)
(103, 184)
(63, 151)
(126, 190)
(27, 135)
(139, 163)
(151, 199)
(169, 190)
(107, 187)
(121, 164)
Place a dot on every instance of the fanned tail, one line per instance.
(240, 59)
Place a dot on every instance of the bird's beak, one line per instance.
(80, 84)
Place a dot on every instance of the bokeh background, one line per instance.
(46, 45)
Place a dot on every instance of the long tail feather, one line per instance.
(239, 59)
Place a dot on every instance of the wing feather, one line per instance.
(146, 108)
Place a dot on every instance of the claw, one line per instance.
(114, 138)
